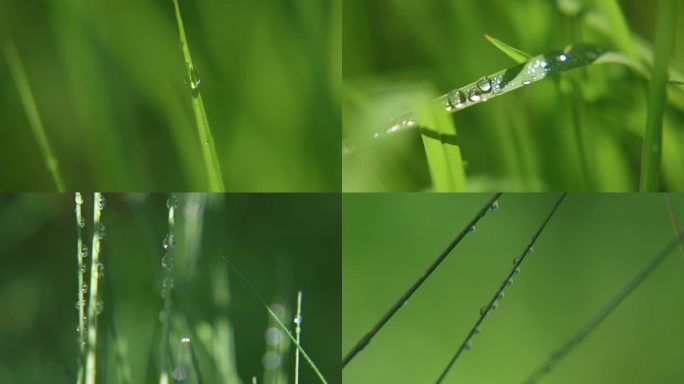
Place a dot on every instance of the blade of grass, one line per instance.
(278, 321)
(206, 138)
(26, 96)
(652, 147)
(514, 53)
(365, 340)
(620, 30)
(168, 262)
(498, 294)
(673, 219)
(81, 253)
(298, 332)
(93, 301)
(602, 314)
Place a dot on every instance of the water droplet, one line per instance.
(169, 241)
(78, 329)
(84, 251)
(168, 262)
(85, 288)
(169, 282)
(530, 250)
(100, 270)
(179, 374)
(83, 269)
(517, 270)
(172, 201)
(509, 282)
(79, 199)
(101, 231)
(79, 304)
(500, 296)
(185, 340)
(101, 203)
(456, 98)
(526, 82)
(82, 222)
(471, 229)
(562, 57)
(193, 80)
(468, 346)
(477, 330)
(483, 310)
(474, 95)
(298, 320)
(495, 305)
(99, 307)
(485, 85)
(494, 206)
(273, 336)
(516, 260)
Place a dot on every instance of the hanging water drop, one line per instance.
(172, 201)
(100, 270)
(169, 282)
(168, 262)
(494, 206)
(79, 304)
(485, 85)
(509, 282)
(483, 310)
(471, 229)
(101, 231)
(495, 305)
(456, 98)
(84, 288)
(83, 269)
(101, 203)
(500, 296)
(516, 260)
(517, 270)
(193, 79)
(179, 374)
(477, 330)
(526, 82)
(169, 241)
(562, 57)
(82, 222)
(298, 320)
(468, 346)
(84, 251)
(530, 250)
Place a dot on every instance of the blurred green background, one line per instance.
(107, 77)
(592, 246)
(280, 243)
(579, 131)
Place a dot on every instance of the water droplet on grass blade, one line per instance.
(471, 229)
(172, 201)
(101, 231)
(79, 199)
(179, 374)
(101, 202)
(562, 57)
(456, 98)
(99, 307)
(494, 206)
(168, 262)
(193, 79)
(84, 251)
(100, 270)
(169, 241)
(84, 288)
(82, 222)
(474, 95)
(468, 346)
(298, 320)
(485, 84)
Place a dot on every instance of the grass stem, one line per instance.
(169, 243)
(298, 331)
(80, 253)
(206, 139)
(498, 294)
(98, 235)
(653, 137)
(365, 340)
(24, 89)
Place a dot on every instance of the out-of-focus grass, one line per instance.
(527, 140)
(592, 247)
(108, 80)
(38, 338)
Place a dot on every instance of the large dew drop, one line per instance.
(193, 79)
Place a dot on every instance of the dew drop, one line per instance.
(483, 310)
(471, 229)
(530, 250)
(376, 135)
(83, 269)
(169, 241)
(84, 251)
(494, 206)
(509, 282)
(495, 305)
(84, 288)
(526, 82)
(172, 201)
(179, 374)
(477, 331)
(169, 282)
(298, 320)
(185, 340)
(562, 57)
(468, 346)
(79, 304)
(485, 85)
(193, 80)
(100, 270)
(271, 360)
(79, 199)
(456, 98)
(500, 296)
(101, 203)
(517, 270)
(168, 262)
(99, 307)
(82, 222)
(474, 95)
(101, 231)
(516, 260)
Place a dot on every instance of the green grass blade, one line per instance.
(443, 155)
(652, 148)
(282, 326)
(620, 35)
(24, 89)
(93, 300)
(206, 139)
(514, 53)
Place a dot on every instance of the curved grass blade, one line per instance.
(206, 138)
(601, 315)
(514, 53)
(365, 340)
(24, 89)
(498, 294)
(499, 83)
(278, 321)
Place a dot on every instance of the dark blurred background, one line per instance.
(590, 249)
(280, 243)
(107, 77)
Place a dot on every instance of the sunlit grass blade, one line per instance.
(652, 147)
(498, 294)
(206, 138)
(94, 304)
(602, 314)
(26, 96)
(298, 333)
(81, 254)
(491, 204)
(514, 53)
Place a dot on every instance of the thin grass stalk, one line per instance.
(365, 340)
(29, 103)
(298, 332)
(168, 262)
(603, 313)
(80, 302)
(206, 138)
(653, 138)
(673, 219)
(498, 294)
(98, 235)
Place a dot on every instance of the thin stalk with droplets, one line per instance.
(211, 161)
(26, 96)
(94, 303)
(278, 321)
(602, 313)
(168, 263)
(498, 294)
(81, 254)
(491, 204)
(673, 220)
(298, 332)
